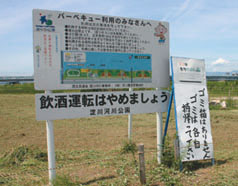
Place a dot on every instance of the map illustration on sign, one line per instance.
(94, 66)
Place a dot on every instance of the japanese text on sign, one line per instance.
(193, 117)
(101, 103)
(86, 51)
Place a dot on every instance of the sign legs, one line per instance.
(130, 127)
(51, 149)
(159, 123)
(130, 123)
(168, 115)
(213, 161)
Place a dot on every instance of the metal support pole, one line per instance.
(142, 164)
(168, 115)
(159, 129)
(159, 123)
(130, 122)
(213, 161)
(51, 148)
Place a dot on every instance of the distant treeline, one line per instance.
(221, 88)
(30, 79)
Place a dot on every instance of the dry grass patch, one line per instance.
(88, 149)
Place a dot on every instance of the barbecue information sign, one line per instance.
(86, 51)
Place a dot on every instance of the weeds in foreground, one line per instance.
(126, 168)
(169, 159)
(129, 147)
(22, 155)
(63, 181)
(231, 103)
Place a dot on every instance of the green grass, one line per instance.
(222, 88)
(89, 150)
(27, 88)
(22, 155)
(215, 88)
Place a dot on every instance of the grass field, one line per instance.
(223, 88)
(89, 150)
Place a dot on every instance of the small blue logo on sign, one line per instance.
(45, 21)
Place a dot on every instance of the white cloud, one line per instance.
(183, 7)
(206, 20)
(228, 66)
(220, 61)
(177, 11)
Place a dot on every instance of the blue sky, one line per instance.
(205, 29)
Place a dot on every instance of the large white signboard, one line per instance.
(91, 104)
(192, 109)
(85, 51)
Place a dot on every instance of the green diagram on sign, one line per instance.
(100, 67)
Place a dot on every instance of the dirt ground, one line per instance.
(87, 149)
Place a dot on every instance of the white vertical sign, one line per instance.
(192, 109)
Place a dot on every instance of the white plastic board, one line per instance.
(86, 51)
(91, 104)
(192, 109)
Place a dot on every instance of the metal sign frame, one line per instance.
(141, 59)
